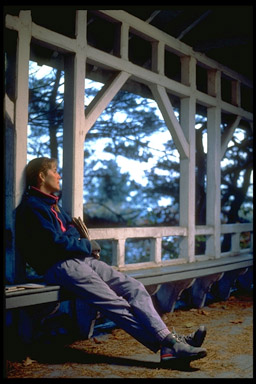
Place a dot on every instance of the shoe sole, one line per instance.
(185, 359)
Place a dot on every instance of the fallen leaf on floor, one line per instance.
(28, 361)
(189, 325)
(204, 313)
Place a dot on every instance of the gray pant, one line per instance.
(119, 297)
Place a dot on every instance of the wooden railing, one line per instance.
(156, 234)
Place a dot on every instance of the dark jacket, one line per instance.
(44, 232)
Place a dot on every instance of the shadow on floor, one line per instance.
(62, 354)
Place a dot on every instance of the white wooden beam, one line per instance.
(213, 205)
(65, 44)
(74, 123)
(165, 106)
(103, 98)
(151, 33)
(227, 135)
(124, 41)
(53, 39)
(18, 146)
(103, 59)
(236, 93)
(187, 165)
(158, 56)
(21, 102)
(214, 83)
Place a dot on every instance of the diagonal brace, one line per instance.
(171, 121)
(103, 98)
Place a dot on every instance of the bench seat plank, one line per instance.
(151, 276)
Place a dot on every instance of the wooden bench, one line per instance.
(152, 277)
(26, 308)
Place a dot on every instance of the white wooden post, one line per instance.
(156, 250)
(236, 93)
(187, 165)
(21, 103)
(213, 173)
(124, 41)
(158, 55)
(120, 250)
(15, 269)
(74, 123)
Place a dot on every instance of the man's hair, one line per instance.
(35, 166)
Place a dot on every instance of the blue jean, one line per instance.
(119, 297)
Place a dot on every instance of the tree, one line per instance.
(126, 128)
(45, 113)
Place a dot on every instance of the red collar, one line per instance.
(46, 194)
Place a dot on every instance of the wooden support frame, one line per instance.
(187, 165)
(78, 121)
(74, 122)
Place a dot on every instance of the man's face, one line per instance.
(51, 181)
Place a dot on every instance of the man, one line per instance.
(51, 244)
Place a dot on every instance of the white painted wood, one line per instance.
(227, 136)
(66, 44)
(18, 147)
(228, 108)
(205, 99)
(212, 64)
(12, 22)
(188, 72)
(148, 77)
(213, 166)
(203, 230)
(177, 46)
(158, 56)
(236, 93)
(156, 250)
(148, 31)
(187, 165)
(143, 75)
(213, 181)
(149, 277)
(236, 228)
(21, 103)
(54, 40)
(213, 87)
(135, 232)
(103, 98)
(120, 252)
(235, 243)
(171, 121)
(74, 123)
(124, 41)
